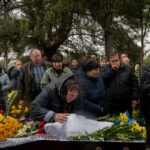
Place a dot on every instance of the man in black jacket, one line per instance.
(145, 99)
(121, 83)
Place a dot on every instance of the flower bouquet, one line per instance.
(15, 110)
(18, 112)
(31, 128)
(124, 129)
(8, 127)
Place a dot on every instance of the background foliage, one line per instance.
(75, 27)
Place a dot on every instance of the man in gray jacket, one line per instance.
(57, 100)
(56, 71)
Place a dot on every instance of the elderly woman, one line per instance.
(57, 100)
(94, 93)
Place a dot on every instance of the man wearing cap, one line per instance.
(56, 71)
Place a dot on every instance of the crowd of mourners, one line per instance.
(93, 88)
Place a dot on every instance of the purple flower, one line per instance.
(27, 120)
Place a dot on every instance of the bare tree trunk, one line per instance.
(142, 53)
(108, 43)
(108, 36)
(6, 59)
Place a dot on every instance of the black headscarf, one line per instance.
(66, 86)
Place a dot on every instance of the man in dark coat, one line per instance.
(30, 77)
(122, 85)
(145, 98)
(56, 100)
(74, 66)
(93, 93)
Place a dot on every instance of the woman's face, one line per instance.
(71, 95)
(93, 73)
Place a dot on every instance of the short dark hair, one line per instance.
(90, 64)
(114, 54)
(104, 58)
(93, 54)
(57, 58)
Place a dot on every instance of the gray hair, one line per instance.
(34, 50)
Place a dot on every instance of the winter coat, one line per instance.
(15, 75)
(49, 102)
(25, 82)
(94, 94)
(74, 70)
(5, 86)
(145, 93)
(51, 75)
(122, 86)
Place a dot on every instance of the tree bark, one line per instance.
(108, 36)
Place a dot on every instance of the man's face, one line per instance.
(123, 56)
(18, 64)
(74, 62)
(66, 61)
(84, 58)
(57, 65)
(93, 73)
(71, 95)
(36, 57)
(103, 62)
(93, 56)
(115, 62)
(126, 61)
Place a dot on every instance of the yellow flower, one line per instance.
(13, 107)
(123, 117)
(2, 138)
(10, 126)
(1, 117)
(143, 133)
(13, 112)
(26, 110)
(18, 111)
(121, 123)
(10, 94)
(20, 106)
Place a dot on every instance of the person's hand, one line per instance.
(21, 102)
(134, 103)
(115, 67)
(61, 117)
(18, 67)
